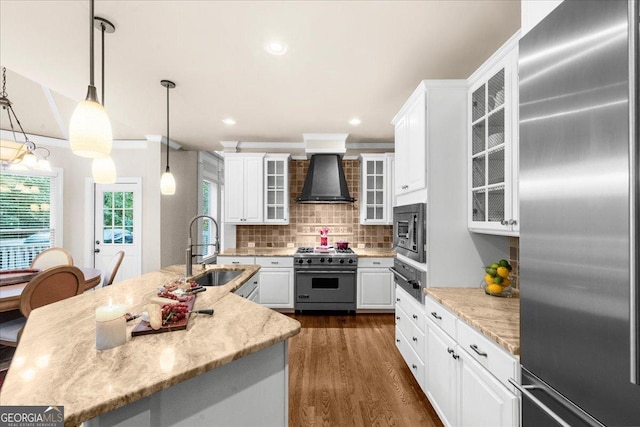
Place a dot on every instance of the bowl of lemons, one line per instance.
(497, 279)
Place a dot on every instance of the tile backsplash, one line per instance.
(305, 219)
(514, 258)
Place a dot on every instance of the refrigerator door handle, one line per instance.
(634, 196)
(524, 389)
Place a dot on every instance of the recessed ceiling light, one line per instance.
(276, 48)
(355, 121)
(229, 121)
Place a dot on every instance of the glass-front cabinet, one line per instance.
(493, 139)
(276, 188)
(376, 196)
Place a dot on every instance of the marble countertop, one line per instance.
(56, 362)
(495, 317)
(361, 252)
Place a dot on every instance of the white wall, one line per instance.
(142, 162)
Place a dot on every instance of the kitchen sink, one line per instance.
(217, 277)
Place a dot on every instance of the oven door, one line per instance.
(322, 286)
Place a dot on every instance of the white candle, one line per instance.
(111, 326)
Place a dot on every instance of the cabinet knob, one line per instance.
(450, 350)
(415, 316)
(414, 339)
(397, 317)
(397, 340)
(414, 366)
(398, 299)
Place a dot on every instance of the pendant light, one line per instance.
(167, 182)
(19, 155)
(90, 128)
(103, 170)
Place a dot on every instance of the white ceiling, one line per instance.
(346, 59)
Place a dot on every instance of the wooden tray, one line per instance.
(143, 328)
(11, 277)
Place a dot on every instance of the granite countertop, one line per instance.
(495, 317)
(361, 252)
(56, 362)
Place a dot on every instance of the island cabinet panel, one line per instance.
(276, 282)
(250, 391)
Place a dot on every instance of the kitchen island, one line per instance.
(198, 376)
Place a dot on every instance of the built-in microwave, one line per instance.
(409, 231)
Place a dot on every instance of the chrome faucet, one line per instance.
(190, 245)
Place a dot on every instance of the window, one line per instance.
(30, 216)
(211, 199)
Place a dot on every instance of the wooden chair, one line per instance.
(52, 285)
(52, 257)
(112, 270)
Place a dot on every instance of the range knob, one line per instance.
(300, 261)
(350, 261)
(321, 259)
(341, 261)
(330, 260)
(309, 261)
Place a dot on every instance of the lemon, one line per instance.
(494, 289)
(488, 279)
(503, 272)
(505, 282)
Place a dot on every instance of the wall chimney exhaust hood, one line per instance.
(325, 181)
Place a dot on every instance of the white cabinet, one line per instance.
(410, 333)
(466, 373)
(276, 281)
(276, 189)
(376, 289)
(244, 191)
(235, 260)
(493, 144)
(410, 142)
(376, 194)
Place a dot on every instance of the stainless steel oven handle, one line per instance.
(524, 389)
(398, 275)
(325, 272)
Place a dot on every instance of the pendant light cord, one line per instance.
(168, 129)
(91, 73)
(103, 27)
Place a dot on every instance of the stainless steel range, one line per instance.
(325, 279)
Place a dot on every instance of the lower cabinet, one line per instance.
(410, 336)
(276, 281)
(376, 288)
(461, 382)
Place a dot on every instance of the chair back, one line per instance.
(52, 257)
(52, 285)
(112, 270)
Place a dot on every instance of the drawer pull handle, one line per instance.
(275, 262)
(450, 350)
(434, 314)
(398, 299)
(398, 340)
(235, 262)
(475, 348)
(414, 366)
(415, 339)
(397, 317)
(455, 356)
(415, 316)
(376, 262)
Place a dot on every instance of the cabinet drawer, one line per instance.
(250, 286)
(498, 361)
(410, 330)
(375, 262)
(236, 260)
(275, 261)
(441, 316)
(411, 307)
(416, 366)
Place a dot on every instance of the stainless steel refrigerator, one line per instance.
(579, 216)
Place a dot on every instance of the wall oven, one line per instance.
(409, 231)
(409, 278)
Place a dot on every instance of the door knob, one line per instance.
(96, 250)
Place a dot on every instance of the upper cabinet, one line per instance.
(376, 189)
(493, 144)
(276, 189)
(244, 188)
(410, 142)
(256, 188)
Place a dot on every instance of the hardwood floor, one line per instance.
(345, 370)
